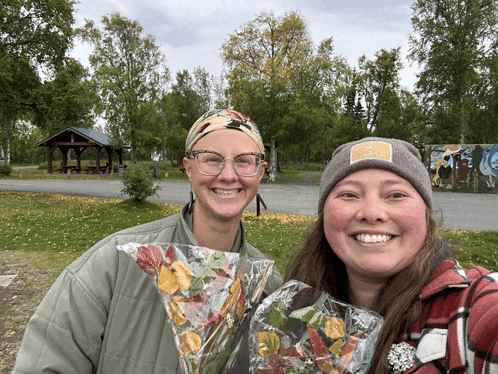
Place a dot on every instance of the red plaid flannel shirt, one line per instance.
(457, 331)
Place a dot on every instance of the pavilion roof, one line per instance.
(88, 135)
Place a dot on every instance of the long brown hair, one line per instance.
(317, 265)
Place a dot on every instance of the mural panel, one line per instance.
(463, 167)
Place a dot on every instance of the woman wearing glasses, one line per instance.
(103, 314)
(225, 163)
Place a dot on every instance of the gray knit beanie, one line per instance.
(393, 155)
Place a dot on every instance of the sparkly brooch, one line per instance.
(401, 357)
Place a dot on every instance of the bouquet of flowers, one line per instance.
(298, 329)
(209, 297)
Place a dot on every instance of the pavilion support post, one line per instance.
(79, 151)
(64, 157)
(97, 159)
(109, 158)
(50, 150)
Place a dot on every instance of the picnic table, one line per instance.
(93, 169)
(73, 169)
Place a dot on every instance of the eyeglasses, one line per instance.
(212, 163)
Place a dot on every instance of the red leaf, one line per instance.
(276, 364)
(348, 352)
(150, 259)
(222, 311)
(170, 256)
(241, 303)
(290, 352)
(322, 356)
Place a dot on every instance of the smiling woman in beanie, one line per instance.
(374, 245)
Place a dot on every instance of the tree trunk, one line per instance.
(273, 161)
(8, 133)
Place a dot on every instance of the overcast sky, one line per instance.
(191, 32)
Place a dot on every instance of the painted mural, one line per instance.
(463, 167)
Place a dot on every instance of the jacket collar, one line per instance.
(447, 274)
(187, 225)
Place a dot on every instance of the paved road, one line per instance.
(476, 212)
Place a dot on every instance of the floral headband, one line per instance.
(218, 119)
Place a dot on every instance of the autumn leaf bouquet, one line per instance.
(209, 297)
(298, 329)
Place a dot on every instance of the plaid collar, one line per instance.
(448, 274)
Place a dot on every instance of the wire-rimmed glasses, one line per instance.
(212, 163)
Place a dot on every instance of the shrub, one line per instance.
(5, 169)
(138, 182)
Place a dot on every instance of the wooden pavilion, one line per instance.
(79, 140)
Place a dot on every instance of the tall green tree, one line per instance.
(130, 74)
(452, 42)
(264, 62)
(189, 98)
(351, 122)
(380, 89)
(67, 100)
(23, 147)
(20, 84)
(316, 88)
(482, 128)
(34, 36)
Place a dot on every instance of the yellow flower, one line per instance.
(334, 327)
(269, 343)
(190, 342)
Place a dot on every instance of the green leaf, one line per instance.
(215, 361)
(277, 314)
(305, 314)
(207, 272)
(317, 321)
(288, 324)
(192, 363)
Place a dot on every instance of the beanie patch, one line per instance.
(371, 150)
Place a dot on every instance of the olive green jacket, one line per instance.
(104, 315)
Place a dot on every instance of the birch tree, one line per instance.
(130, 73)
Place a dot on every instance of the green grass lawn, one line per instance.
(40, 234)
(63, 227)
